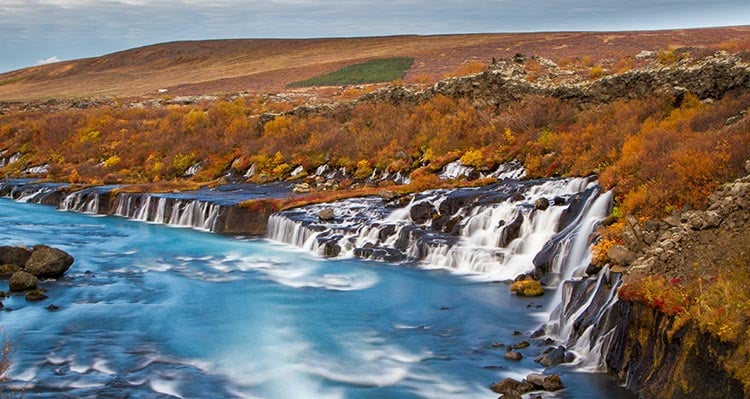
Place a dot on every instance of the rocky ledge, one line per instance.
(669, 354)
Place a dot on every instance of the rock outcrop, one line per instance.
(661, 356)
(22, 281)
(48, 262)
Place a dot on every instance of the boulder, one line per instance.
(48, 262)
(621, 255)
(513, 355)
(14, 255)
(521, 345)
(551, 382)
(554, 356)
(331, 249)
(422, 212)
(22, 281)
(541, 204)
(508, 386)
(7, 270)
(35, 295)
(326, 214)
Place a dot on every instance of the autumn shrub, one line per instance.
(656, 292)
(527, 287)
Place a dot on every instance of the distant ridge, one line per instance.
(260, 65)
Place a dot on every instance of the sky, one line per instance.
(34, 32)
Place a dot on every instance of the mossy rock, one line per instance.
(527, 288)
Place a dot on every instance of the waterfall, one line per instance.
(545, 227)
(82, 201)
(496, 231)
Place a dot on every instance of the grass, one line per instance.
(373, 71)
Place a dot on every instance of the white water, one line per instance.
(480, 246)
(193, 213)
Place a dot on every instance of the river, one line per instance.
(150, 311)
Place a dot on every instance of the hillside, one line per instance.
(261, 65)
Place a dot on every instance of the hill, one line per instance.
(262, 65)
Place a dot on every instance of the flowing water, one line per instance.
(150, 311)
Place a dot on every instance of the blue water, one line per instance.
(149, 311)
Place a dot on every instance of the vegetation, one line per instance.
(527, 287)
(373, 71)
(713, 298)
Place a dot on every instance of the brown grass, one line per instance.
(260, 65)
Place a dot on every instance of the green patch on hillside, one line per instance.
(373, 71)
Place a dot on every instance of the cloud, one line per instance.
(50, 60)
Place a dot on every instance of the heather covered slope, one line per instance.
(259, 65)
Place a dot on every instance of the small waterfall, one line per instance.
(496, 231)
(456, 169)
(161, 209)
(82, 201)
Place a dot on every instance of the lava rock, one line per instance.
(7, 270)
(48, 262)
(22, 281)
(17, 256)
(513, 355)
(331, 249)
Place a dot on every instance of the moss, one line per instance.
(527, 287)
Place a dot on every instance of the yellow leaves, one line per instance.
(364, 170)
(473, 158)
(88, 135)
(195, 120)
(111, 162)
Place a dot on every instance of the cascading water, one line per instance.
(543, 227)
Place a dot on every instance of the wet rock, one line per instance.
(511, 395)
(17, 256)
(326, 214)
(22, 281)
(331, 249)
(48, 262)
(53, 308)
(551, 382)
(554, 356)
(7, 270)
(511, 231)
(513, 355)
(541, 204)
(35, 295)
(498, 345)
(509, 385)
(521, 345)
(422, 212)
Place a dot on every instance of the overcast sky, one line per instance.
(39, 31)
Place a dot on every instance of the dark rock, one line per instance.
(498, 345)
(386, 231)
(509, 385)
(554, 356)
(326, 214)
(541, 204)
(551, 382)
(511, 395)
(538, 333)
(513, 355)
(53, 308)
(559, 201)
(511, 231)
(331, 249)
(7, 270)
(35, 295)
(22, 281)
(521, 345)
(47, 262)
(422, 212)
(14, 256)
(516, 332)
